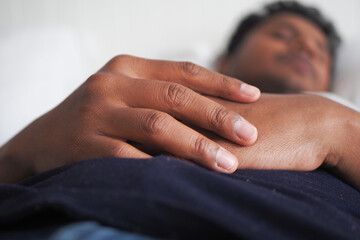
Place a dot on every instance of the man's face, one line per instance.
(287, 53)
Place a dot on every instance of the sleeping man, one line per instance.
(135, 108)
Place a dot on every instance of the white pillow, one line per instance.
(347, 80)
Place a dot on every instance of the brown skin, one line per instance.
(286, 53)
(299, 132)
(133, 99)
(295, 132)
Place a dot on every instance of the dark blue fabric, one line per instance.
(86, 230)
(165, 197)
(94, 231)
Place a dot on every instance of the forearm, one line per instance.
(10, 169)
(16, 156)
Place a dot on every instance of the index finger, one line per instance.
(188, 74)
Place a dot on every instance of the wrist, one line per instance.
(12, 168)
(346, 147)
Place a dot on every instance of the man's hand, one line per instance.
(300, 132)
(137, 100)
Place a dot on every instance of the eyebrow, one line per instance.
(286, 25)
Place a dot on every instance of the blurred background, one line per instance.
(49, 47)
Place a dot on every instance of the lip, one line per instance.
(302, 65)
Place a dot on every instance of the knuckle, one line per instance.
(200, 145)
(120, 63)
(97, 84)
(218, 116)
(176, 95)
(189, 69)
(93, 79)
(155, 123)
(120, 59)
(92, 96)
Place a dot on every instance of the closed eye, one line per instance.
(285, 36)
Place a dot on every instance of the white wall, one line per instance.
(49, 47)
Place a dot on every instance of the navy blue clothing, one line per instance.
(164, 197)
(74, 231)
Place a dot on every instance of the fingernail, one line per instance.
(249, 90)
(225, 159)
(245, 130)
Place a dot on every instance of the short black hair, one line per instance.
(314, 15)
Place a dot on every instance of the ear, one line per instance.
(222, 64)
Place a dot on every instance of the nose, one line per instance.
(305, 47)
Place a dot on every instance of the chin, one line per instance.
(276, 85)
